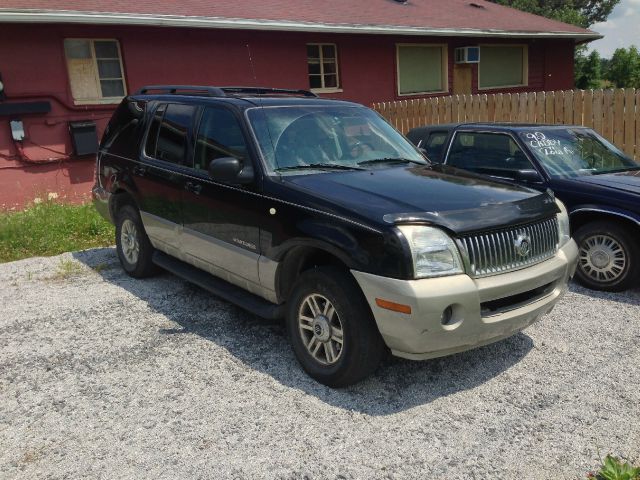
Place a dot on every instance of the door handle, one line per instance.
(139, 170)
(193, 187)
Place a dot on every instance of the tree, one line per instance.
(588, 73)
(624, 68)
(583, 13)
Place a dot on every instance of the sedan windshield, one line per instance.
(315, 139)
(575, 152)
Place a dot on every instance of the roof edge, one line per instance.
(108, 18)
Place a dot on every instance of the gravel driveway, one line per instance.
(103, 376)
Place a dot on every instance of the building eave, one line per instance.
(110, 18)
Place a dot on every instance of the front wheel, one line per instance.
(607, 257)
(331, 329)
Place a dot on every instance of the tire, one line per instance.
(132, 244)
(340, 360)
(607, 258)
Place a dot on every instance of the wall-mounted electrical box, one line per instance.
(467, 55)
(84, 137)
(17, 130)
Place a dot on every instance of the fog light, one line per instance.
(447, 316)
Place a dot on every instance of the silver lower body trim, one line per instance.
(250, 271)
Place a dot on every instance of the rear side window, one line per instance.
(121, 135)
(168, 133)
(219, 135)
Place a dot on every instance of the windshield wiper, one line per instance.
(319, 166)
(391, 160)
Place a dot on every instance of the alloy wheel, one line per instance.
(321, 329)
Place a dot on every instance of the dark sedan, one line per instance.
(599, 184)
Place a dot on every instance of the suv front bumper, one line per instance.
(482, 310)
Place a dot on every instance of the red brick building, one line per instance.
(72, 61)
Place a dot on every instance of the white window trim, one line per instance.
(525, 65)
(445, 68)
(101, 100)
(326, 89)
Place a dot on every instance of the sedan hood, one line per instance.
(439, 195)
(627, 181)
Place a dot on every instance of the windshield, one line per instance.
(310, 139)
(575, 152)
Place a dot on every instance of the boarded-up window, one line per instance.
(421, 69)
(95, 70)
(503, 66)
(322, 63)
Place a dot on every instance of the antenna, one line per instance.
(253, 71)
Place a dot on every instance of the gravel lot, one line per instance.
(103, 376)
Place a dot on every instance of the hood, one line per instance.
(627, 181)
(439, 195)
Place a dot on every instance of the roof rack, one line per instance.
(221, 91)
(267, 91)
(173, 89)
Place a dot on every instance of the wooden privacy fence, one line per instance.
(615, 114)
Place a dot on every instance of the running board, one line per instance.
(225, 290)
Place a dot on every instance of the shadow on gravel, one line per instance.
(396, 386)
(631, 297)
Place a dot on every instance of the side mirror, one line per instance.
(528, 176)
(230, 170)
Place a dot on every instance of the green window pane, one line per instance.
(106, 49)
(420, 69)
(109, 69)
(502, 66)
(77, 48)
(112, 88)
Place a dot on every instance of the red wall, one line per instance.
(32, 66)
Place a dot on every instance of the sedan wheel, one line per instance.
(602, 258)
(607, 257)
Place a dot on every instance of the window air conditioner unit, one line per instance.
(467, 55)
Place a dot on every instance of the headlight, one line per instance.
(564, 230)
(434, 252)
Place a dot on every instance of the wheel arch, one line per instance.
(581, 216)
(303, 257)
(118, 199)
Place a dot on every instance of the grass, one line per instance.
(51, 228)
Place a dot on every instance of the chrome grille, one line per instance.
(502, 251)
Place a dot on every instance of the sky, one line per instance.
(622, 29)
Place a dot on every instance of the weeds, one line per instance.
(615, 469)
(50, 228)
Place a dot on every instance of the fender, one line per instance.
(605, 209)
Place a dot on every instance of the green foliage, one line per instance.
(576, 12)
(588, 70)
(614, 469)
(624, 68)
(50, 229)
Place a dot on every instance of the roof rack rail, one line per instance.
(267, 91)
(172, 89)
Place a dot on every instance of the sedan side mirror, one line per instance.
(230, 170)
(528, 176)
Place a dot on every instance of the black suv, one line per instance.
(320, 212)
